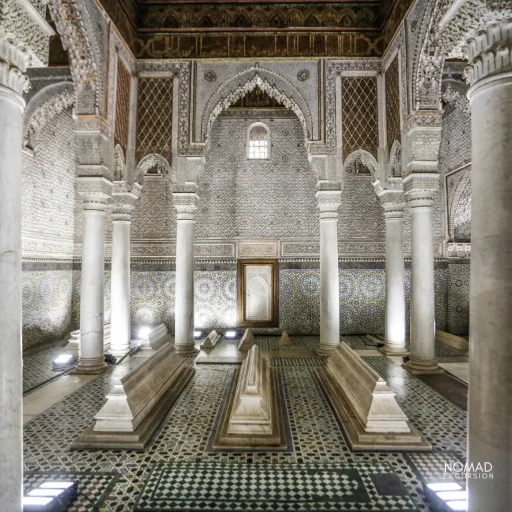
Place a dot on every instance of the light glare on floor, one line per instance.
(46, 492)
(36, 501)
(56, 485)
(458, 505)
(452, 495)
(445, 486)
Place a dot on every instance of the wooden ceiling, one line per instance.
(251, 28)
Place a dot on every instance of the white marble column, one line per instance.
(395, 281)
(120, 281)
(92, 284)
(11, 373)
(185, 204)
(328, 204)
(124, 197)
(422, 357)
(490, 329)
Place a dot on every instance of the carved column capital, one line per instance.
(489, 52)
(328, 197)
(124, 198)
(94, 191)
(420, 189)
(185, 201)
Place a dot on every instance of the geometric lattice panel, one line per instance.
(360, 128)
(154, 117)
(392, 103)
(122, 105)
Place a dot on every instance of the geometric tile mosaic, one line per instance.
(184, 435)
(93, 488)
(37, 368)
(220, 486)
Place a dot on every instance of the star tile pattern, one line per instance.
(183, 437)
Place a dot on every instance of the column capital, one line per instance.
(489, 52)
(420, 189)
(124, 198)
(24, 42)
(328, 198)
(185, 204)
(95, 192)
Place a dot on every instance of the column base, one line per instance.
(326, 350)
(394, 349)
(119, 351)
(93, 366)
(186, 350)
(422, 367)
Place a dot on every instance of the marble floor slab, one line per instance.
(459, 370)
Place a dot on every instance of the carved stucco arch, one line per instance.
(395, 161)
(150, 161)
(275, 85)
(462, 186)
(75, 27)
(119, 164)
(366, 158)
(44, 106)
(428, 60)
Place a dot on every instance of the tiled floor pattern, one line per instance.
(447, 354)
(316, 435)
(256, 487)
(37, 368)
(93, 488)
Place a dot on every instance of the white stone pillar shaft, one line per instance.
(422, 356)
(11, 372)
(328, 203)
(490, 359)
(120, 279)
(395, 290)
(184, 305)
(92, 289)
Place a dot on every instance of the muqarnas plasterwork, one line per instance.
(47, 306)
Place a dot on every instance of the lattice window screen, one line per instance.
(392, 103)
(154, 117)
(122, 105)
(360, 125)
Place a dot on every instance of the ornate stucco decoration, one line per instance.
(275, 85)
(334, 68)
(43, 107)
(77, 34)
(24, 41)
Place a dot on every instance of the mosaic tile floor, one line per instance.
(37, 368)
(256, 487)
(316, 435)
(93, 488)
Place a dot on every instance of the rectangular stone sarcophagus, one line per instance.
(252, 416)
(138, 403)
(365, 405)
(246, 341)
(211, 340)
(154, 338)
(74, 339)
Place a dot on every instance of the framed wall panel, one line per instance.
(257, 282)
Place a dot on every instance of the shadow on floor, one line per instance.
(451, 388)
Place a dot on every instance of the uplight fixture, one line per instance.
(197, 334)
(230, 334)
(63, 361)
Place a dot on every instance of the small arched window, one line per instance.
(258, 142)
